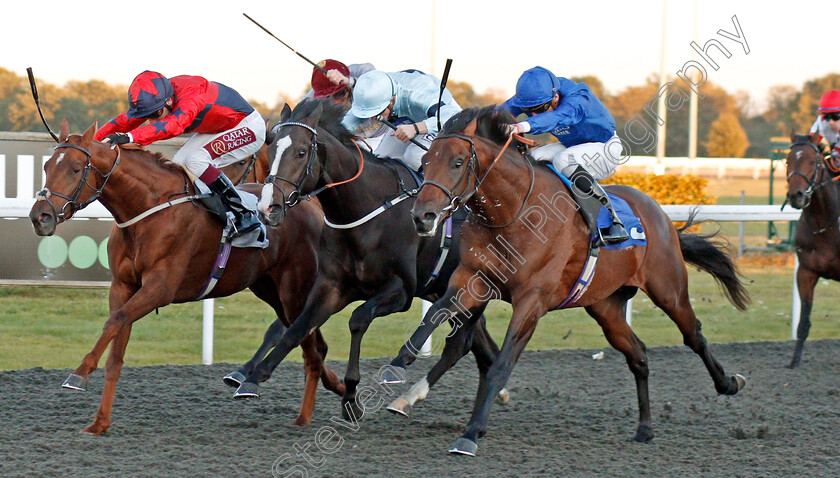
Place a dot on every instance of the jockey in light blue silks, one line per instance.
(588, 147)
(410, 99)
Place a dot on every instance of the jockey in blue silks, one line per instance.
(588, 147)
(410, 100)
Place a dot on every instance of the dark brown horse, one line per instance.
(525, 243)
(375, 258)
(813, 188)
(168, 256)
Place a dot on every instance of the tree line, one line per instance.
(726, 126)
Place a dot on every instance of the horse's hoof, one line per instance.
(503, 397)
(247, 390)
(400, 406)
(234, 379)
(741, 382)
(351, 407)
(644, 434)
(793, 364)
(75, 382)
(464, 446)
(301, 421)
(94, 430)
(392, 375)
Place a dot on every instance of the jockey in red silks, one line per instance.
(827, 124)
(227, 129)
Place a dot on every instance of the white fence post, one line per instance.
(797, 302)
(426, 349)
(207, 332)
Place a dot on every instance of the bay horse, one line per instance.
(813, 188)
(528, 246)
(381, 261)
(168, 256)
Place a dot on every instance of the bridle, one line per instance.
(456, 201)
(296, 196)
(248, 169)
(819, 167)
(71, 200)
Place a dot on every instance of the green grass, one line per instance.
(55, 328)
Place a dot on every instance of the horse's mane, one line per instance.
(331, 115)
(490, 123)
(154, 158)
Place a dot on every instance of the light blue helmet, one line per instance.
(535, 87)
(372, 93)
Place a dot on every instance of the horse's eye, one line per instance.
(76, 170)
(458, 163)
(301, 153)
(242, 163)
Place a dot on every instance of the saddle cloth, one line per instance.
(631, 222)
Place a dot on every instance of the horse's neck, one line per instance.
(824, 210)
(500, 197)
(136, 184)
(353, 200)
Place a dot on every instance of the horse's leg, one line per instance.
(157, 294)
(610, 315)
(312, 365)
(324, 300)
(391, 298)
(458, 343)
(806, 280)
(485, 350)
(271, 338)
(328, 377)
(526, 313)
(118, 295)
(443, 308)
(669, 292)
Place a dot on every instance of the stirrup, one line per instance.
(614, 234)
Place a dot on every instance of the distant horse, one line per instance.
(168, 256)
(813, 188)
(378, 259)
(528, 246)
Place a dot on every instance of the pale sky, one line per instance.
(490, 42)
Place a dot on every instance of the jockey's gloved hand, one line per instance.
(337, 78)
(118, 138)
(518, 128)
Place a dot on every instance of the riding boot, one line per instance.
(586, 185)
(244, 219)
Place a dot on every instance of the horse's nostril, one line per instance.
(429, 217)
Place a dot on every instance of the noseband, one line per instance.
(45, 194)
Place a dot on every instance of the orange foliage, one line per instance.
(666, 188)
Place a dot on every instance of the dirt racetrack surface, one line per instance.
(569, 415)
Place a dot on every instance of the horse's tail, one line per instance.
(712, 255)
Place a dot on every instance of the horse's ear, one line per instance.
(315, 115)
(286, 113)
(792, 135)
(470, 129)
(815, 138)
(63, 131)
(87, 138)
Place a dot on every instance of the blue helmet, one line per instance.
(535, 87)
(148, 93)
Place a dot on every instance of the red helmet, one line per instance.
(323, 86)
(830, 102)
(148, 93)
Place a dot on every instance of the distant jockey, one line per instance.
(410, 100)
(588, 147)
(227, 129)
(827, 124)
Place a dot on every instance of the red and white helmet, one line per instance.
(830, 102)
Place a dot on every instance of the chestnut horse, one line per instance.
(527, 246)
(812, 187)
(167, 257)
(378, 259)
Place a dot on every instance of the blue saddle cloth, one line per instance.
(631, 222)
